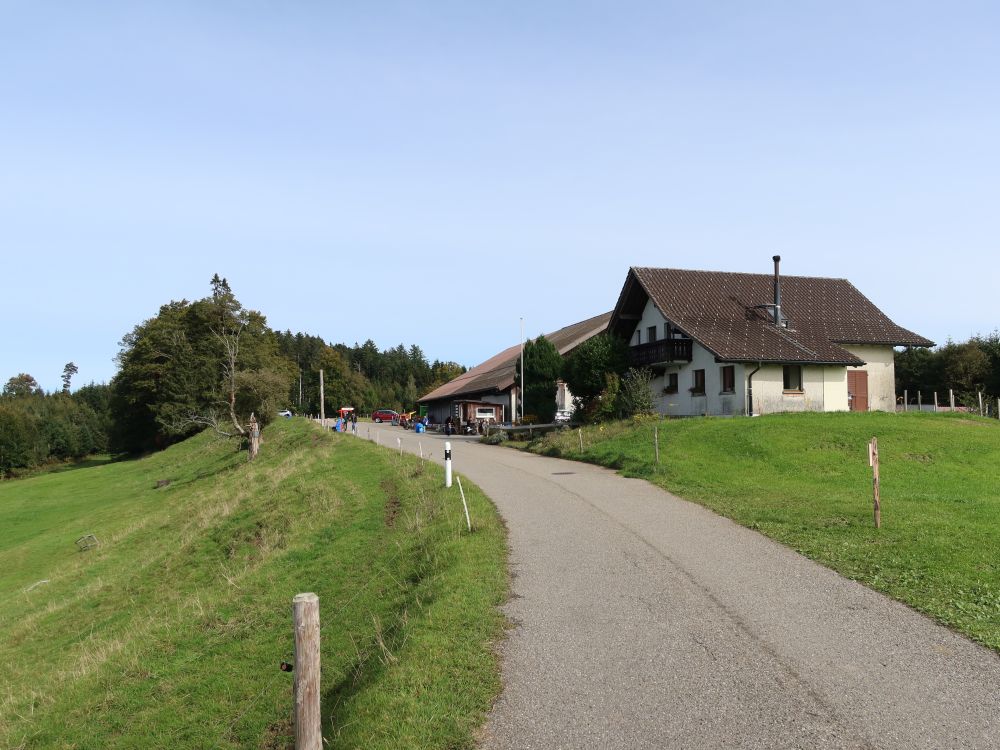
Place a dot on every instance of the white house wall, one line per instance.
(824, 388)
(714, 402)
(650, 317)
(880, 362)
(835, 389)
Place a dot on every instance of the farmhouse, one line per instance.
(740, 343)
(487, 391)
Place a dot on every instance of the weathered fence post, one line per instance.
(920, 401)
(322, 401)
(951, 399)
(579, 431)
(873, 462)
(980, 402)
(656, 443)
(906, 401)
(253, 430)
(935, 402)
(305, 617)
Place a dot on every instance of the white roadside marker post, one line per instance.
(447, 464)
(399, 444)
(465, 505)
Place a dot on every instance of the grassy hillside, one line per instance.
(170, 634)
(804, 480)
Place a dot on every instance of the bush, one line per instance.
(495, 438)
(634, 395)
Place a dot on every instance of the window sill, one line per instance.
(697, 393)
(793, 393)
(727, 393)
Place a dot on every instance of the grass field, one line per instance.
(170, 633)
(804, 480)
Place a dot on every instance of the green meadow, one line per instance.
(170, 633)
(804, 480)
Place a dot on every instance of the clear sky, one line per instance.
(430, 172)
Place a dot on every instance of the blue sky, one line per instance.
(347, 165)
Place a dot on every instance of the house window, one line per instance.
(638, 336)
(793, 377)
(698, 388)
(651, 334)
(728, 374)
(671, 386)
(485, 412)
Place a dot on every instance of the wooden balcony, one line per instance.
(666, 350)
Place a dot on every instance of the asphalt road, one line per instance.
(644, 621)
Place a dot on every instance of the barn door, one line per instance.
(857, 389)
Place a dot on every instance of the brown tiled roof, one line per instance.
(720, 311)
(497, 373)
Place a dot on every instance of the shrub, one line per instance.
(634, 394)
(495, 438)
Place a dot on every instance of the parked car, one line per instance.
(384, 415)
(284, 413)
(563, 415)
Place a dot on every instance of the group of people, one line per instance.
(348, 421)
(478, 427)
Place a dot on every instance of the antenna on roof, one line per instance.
(777, 291)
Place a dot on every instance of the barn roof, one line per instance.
(496, 374)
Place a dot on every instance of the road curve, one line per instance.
(645, 621)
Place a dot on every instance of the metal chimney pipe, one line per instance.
(777, 291)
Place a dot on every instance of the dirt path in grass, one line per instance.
(644, 621)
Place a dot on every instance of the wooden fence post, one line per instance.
(906, 401)
(920, 401)
(951, 398)
(935, 402)
(305, 618)
(873, 461)
(980, 402)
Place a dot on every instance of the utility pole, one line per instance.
(322, 401)
(521, 389)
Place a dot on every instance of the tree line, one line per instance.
(968, 368)
(38, 427)
(360, 376)
(210, 363)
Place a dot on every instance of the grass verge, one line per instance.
(170, 633)
(804, 480)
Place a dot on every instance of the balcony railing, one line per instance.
(667, 350)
